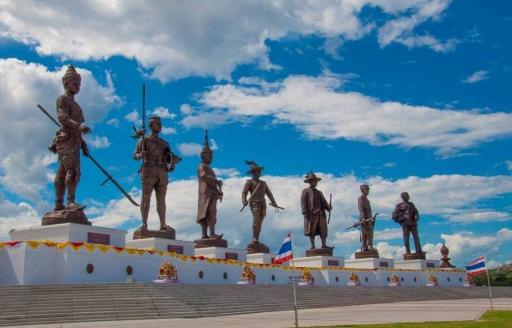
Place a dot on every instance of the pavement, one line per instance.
(449, 310)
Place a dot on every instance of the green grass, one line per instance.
(491, 319)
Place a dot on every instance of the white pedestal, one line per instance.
(417, 264)
(262, 258)
(178, 246)
(319, 261)
(71, 232)
(370, 263)
(222, 253)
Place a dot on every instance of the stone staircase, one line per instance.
(77, 303)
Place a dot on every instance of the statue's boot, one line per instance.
(165, 227)
(212, 232)
(59, 205)
(60, 189)
(72, 204)
(256, 235)
(324, 243)
(204, 231)
(312, 241)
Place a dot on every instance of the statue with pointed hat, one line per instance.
(257, 189)
(67, 144)
(209, 192)
(314, 205)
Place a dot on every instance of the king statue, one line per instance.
(157, 162)
(209, 192)
(68, 142)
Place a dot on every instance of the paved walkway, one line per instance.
(449, 310)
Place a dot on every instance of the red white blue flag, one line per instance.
(476, 267)
(285, 253)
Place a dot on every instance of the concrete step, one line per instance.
(73, 303)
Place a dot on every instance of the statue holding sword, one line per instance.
(257, 203)
(313, 206)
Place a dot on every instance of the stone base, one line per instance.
(222, 253)
(367, 254)
(319, 261)
(370, 263)
(78, 233)
(417, 264)
(145, 233)
(255, 247)
(262, 258)
(65, 216)
(319, 252)
(415, 256)
(202, 243)
(169, 245)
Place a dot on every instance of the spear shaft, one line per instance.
(109, 177)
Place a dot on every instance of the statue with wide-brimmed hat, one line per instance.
(314, 205)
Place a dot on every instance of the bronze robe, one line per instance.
(314, 218)
(208, 193)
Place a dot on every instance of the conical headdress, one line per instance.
(206, 147)
(71, 74)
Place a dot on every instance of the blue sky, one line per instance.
(404, 95)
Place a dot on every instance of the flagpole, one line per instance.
(488, 283)
(294, 290)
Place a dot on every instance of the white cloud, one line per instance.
(168, 131)
(189, 149)
(176, 39)
(97, 142)
(213, 144)
(429, 41)
(185, 109)
(163, 112)
(389, 164)
(317, 107)
(509, 165)
(332, 47)
(472, 216)
(476, 77)
(14, 216)
(388, 234)
(401, 28)
(133, 117)
(389, 251)
(437, 195)
(229, 172)
(113, 122)
(25, 133)
(462, 244)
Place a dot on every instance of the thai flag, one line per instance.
(476, 267)
(285, 253)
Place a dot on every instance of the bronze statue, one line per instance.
(314, 205)
(258, 190)
(157, 162)
(367, 222)
(68, 142)
(407, 216)
(210, 191)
